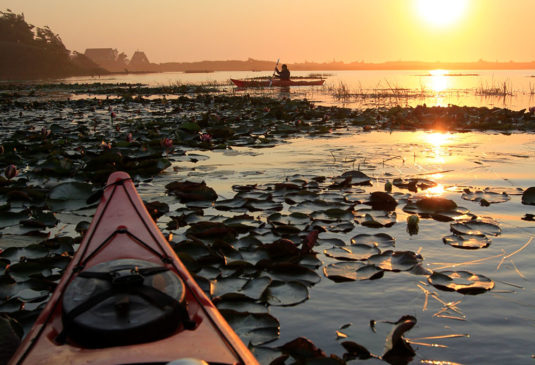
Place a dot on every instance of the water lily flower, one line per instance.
(1, 150)
(113, 115)
(105, 145)
(129, 137)
(45, 132)
(205, 137)
(166, 142)
(11, 171)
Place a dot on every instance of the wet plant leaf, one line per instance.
(381, 240)
(467, 241)
(375, 218)
(355, 252)
(253, 328)
(528, 197)
(286, 293)
(396, 260)
(463, 282)
(476, 227)
(484, 196)
(351, 271)
(293, 272)
(244, 306)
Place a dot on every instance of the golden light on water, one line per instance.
(438, 80)
(438, 139)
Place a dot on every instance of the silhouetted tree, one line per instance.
(30, 52)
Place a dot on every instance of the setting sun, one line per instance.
(441, 12)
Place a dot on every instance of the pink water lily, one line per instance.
(129, 137)
(166, 142)
(205, 137)
(11, 171)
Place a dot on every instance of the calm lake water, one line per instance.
(376, 88)
(495, 327)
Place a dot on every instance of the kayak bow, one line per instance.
(274, 82)
(126, 298)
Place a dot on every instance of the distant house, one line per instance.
(107, 58)
(140, 63)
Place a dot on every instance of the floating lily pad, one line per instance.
(356, 252)
(286, 293)
(69, 196)
(378, 239)
(293, 272)
(396, 260)
(528, 197)
(357, 177)
(188, 191)
(467, 241)
(414, 184)
(460, 281)
(351, 271)
(242, 306)
(253, 328)
(476, 227)
(488, 197)
(239, 288)
(375, 218)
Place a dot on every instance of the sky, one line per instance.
(293, 30)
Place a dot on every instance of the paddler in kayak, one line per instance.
(283, 74)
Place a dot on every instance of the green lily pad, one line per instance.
(528, 197)
(463, 282)
(293, 272)
(467, 241)
(378, 239)
(476, 227)
(484, 196)
(253, 328)
(375, 218)
(357, 252)
(351, 271)
(396, 260)
(242, 306)
(286, 293)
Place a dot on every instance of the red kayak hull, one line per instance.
(212, 340)
(276, 82)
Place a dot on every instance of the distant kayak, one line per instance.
(277, 82)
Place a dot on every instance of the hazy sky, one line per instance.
(293, 30)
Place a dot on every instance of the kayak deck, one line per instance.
(122, 228)
(276, 83)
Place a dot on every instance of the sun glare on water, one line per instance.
(441, 12)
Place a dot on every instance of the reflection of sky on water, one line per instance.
(434, 88)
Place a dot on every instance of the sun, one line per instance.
(441, 13)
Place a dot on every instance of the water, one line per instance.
(375, 88)
(495, 327)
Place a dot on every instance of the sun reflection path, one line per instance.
(439, 80)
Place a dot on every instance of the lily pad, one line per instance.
(484, 197)
(476, 227)
(253, 328)
(286, 293)
(351, 271)
(293, 272)
(396, 260)
(463, 282)
(528, 197)
(375, 218)
(357, 252)
(467, 241)
(378, 239)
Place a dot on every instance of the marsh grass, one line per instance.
(495, 89)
